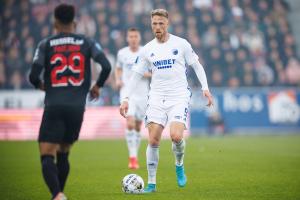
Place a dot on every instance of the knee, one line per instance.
(155, 131)
(176, 137)
(64, 148)
(154, 141)
(130, 124)
(48, 149)
(138, 128)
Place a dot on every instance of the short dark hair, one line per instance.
(64, 13)
(133, 29)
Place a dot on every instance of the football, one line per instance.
(132, 184)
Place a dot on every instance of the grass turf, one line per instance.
(232, 167)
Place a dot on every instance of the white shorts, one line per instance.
(137, 106)
(162, 110)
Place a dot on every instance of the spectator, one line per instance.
(293, 72)
(210, 37)
(240, 42)
(217, 78)
(254, 41)
(86, 25)
(265, 74)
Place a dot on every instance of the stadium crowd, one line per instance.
(240, 42)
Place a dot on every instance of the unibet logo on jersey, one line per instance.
(164, 64)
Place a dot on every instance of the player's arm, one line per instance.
(201, 75)
(118, 77)
(118, 71)
(192, 60)
(138, 71)
(99, 57)
(199, 70)
(37, 66)
(106, 68)
(34, 76)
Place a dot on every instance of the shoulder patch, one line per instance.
(97, 45)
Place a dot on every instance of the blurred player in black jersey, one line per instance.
(66, 61)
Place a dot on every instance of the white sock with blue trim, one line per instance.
(152, 154)
(131, 143)
(178, 150)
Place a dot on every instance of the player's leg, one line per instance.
(50, 135)
(156, 119)
(178, 143)
(62, 163)
(141, 106)
(130, 135)
(138, 126)
(129, 131)
(178, 118)
(178, 147)
(73, 118)
(155, 130)
(49, 169)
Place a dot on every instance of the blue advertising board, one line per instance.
(248, 110)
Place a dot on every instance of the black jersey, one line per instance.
(66, 60)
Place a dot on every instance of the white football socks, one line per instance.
(137, 141)
(131, 142)
(152, 155)
(178, 149)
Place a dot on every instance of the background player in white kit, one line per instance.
(167, 56)
(126, 58)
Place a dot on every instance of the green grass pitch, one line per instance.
(232, 167)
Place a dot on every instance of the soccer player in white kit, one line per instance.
(126, 58)
(167, 56)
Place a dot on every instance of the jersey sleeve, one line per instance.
(96, 49)
(37, 64)
(119, 62)
(141, 65)
(189, 55)
(39, 55)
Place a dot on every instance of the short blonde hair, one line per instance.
(160, 12)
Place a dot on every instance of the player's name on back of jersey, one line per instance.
(64, 48)
(164, 64)
(66, 40)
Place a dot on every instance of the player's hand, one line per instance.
(147, 75)
(124, 108)
(119, 83)
(209, 97)
(94, 93)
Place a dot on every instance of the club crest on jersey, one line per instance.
(175, 51)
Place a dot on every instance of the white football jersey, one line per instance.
(167, 61)
(125, 60)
